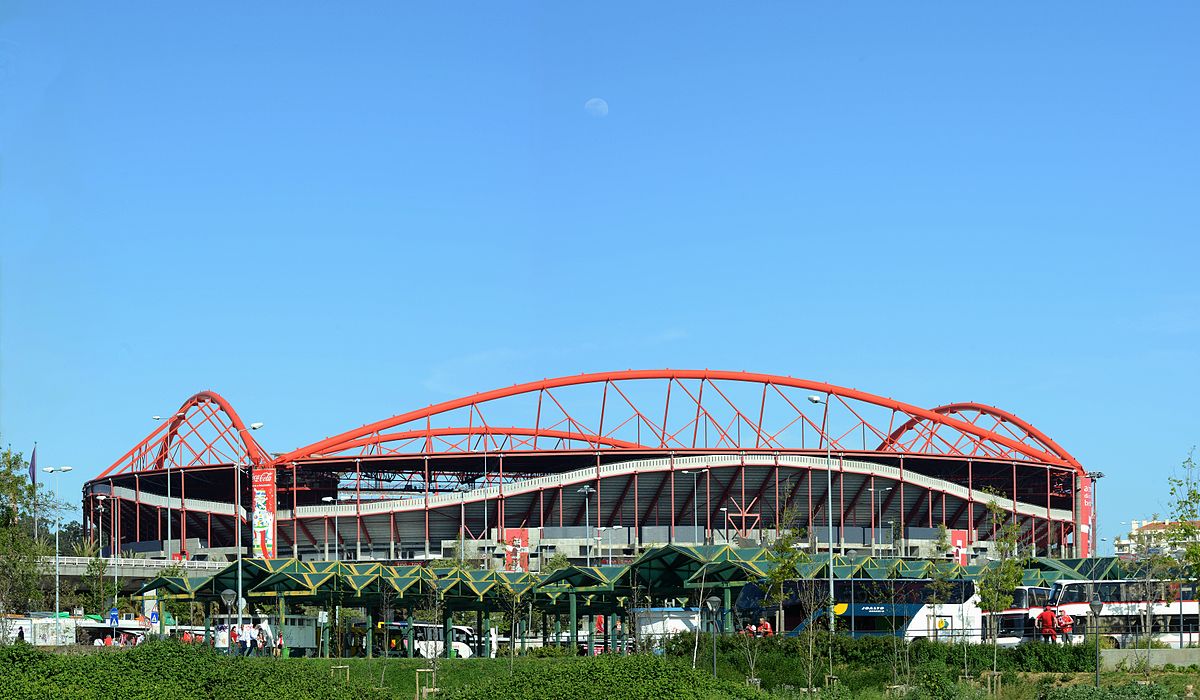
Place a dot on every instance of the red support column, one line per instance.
(842, 502)
(708, 504)
(137, 505)
(427, 506)
(1014, 495)
(901, 510)
(672, 477)
(970, 503)
(930, 495)
(183, 513)
(500, 525)
(777, 493)
(598, 508)
(357, 508)
(295, 517)
(637, 513)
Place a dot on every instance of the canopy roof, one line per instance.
(668, 572)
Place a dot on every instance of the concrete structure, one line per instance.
(647, 456)
(1150, 536)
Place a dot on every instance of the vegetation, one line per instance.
(606, 678)
(998, 583)
(165, 669)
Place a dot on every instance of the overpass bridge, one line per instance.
(130, 572)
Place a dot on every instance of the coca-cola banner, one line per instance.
(262, 482)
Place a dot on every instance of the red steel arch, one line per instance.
(740, 423)
(924, 430)
(205, 431)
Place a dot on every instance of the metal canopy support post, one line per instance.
(574, 621)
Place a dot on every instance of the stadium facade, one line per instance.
(600, 466)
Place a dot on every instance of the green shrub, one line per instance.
(548, 652)
(607, 677)
(1131, 691)
(163, 670)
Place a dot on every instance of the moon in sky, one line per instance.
(596, 107)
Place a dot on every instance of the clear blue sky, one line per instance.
(334, 213)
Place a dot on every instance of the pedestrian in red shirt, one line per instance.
(1046, 621)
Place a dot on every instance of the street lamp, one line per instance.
(227, 597)
(57, 526)
(587, 491)
(815, 399)
(237, 513)
(462, 521)
(725, 517)
(113, 549)
(167, 465)
(713, 603)
(694, 473)
(1096, 607)
(337, 545)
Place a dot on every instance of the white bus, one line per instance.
(1173, 610)
(429, 640)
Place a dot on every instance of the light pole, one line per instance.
(725, 517)
(167, 466)
(462, 522)
(714, 604)
(1097, 606)
(337, 544)
(694, 473)
(1095, 477)
(587, 492)
(57, 526)
(828, 501)
(237, 513)
(100, 535)
(112, 551)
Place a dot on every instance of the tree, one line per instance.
(20, 570)
(100, 587)
(1183, 534)
(998, 583)
(556, 562)
(941, 586)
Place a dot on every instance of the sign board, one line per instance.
(114, 616)
(262, 481)
(323, 617)
(516, 549)
(154, 617)
(958, 546)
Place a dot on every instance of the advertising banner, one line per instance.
(516, 549)
(958, 546)
(262, 482)
(1084, 538)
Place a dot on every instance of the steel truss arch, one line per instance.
(622, 415)
(204, 431)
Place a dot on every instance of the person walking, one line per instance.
(1046, 622)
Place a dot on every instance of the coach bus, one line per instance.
(900, 607)
(1174, 611)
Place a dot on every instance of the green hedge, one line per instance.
(881, 653)
(607, 677)
(1131, 691)
(165, 670)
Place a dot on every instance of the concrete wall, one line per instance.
(1110, 659)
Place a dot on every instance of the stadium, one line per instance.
(599, 466)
